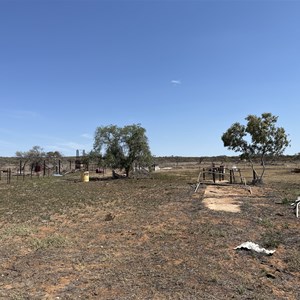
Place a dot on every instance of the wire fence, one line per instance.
(20, 171)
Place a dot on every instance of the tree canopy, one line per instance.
(34, 152)
(121, 147)
(259, 138)
(33, 156)
(36, 155)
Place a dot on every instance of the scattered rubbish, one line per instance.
(254, 247)
(57, 175)
(115, 175)
(296, 206)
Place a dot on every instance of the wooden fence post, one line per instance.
(222, 170)
(8, 173)
(254, 176)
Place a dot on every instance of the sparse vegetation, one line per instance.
(293, 260)
(52, 241)
(271, 239)
(160, 242)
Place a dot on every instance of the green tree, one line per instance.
(122, 147)
(35, 156)
(259, 138)
(97, 158)
(54, 155)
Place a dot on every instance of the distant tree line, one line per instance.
(124, 148)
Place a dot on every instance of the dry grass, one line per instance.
(160, 241)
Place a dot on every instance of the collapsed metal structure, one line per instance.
(220, 175)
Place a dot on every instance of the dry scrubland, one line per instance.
(149, 238)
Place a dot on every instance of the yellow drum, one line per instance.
(85, 176)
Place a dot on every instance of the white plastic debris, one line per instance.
(296, 206)
(254, 247)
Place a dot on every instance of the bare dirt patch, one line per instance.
(216, 198)
(224, 198)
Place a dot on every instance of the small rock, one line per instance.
(109, 217)
(269, 275)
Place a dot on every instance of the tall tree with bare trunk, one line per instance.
(259, 138)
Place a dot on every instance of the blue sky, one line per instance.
(185, 70)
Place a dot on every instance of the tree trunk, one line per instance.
(256, 178)
(259, 179)
(127, 172)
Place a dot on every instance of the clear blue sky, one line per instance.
(185, 70)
